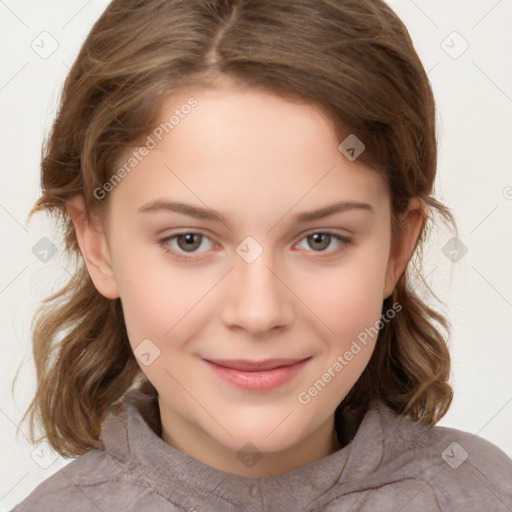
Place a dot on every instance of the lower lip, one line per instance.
(258, 380)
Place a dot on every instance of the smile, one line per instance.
(256, 375)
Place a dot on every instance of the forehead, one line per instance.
(250, 149)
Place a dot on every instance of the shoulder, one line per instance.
(461, 470)
(76, 486)
(470, 471)
(96, 482)
(110, 478)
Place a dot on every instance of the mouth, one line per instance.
(254, 366)
(257, 375)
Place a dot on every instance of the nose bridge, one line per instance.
(258, 301)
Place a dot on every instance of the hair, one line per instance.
(354, 60)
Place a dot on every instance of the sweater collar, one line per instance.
(185, 480)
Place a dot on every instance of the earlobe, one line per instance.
(411, 225)
(94, 248)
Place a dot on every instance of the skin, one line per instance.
(259, 160)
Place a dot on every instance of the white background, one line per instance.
(474, 97)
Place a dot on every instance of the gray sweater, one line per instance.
(392, 464)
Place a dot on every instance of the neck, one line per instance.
(247, 461)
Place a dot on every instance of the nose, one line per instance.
(258, 299)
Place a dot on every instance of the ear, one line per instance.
(93, 245)
(411, 223)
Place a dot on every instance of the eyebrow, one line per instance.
(209, 214)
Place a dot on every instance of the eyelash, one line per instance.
(345, 241)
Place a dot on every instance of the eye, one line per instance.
(321, 240)
(182, 244)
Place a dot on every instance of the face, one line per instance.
(225, 255)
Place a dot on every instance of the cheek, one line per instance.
(157, 297)
(160, 303)
(347, 298)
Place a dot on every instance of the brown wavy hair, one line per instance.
(353, 59)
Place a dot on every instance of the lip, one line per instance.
(257, 375)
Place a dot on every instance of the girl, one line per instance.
(207, 355)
